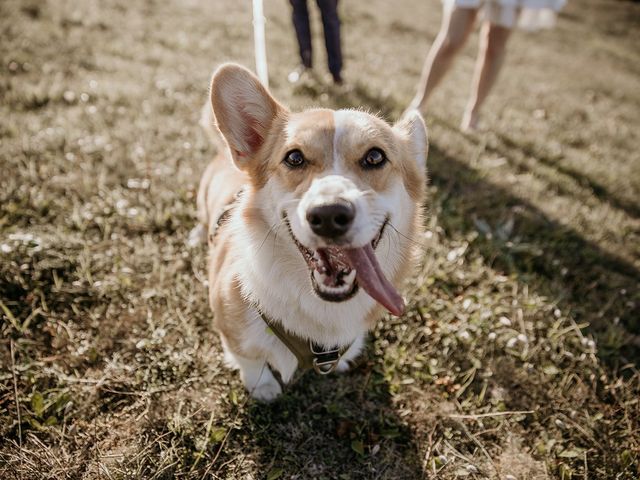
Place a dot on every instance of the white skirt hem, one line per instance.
(524, 14)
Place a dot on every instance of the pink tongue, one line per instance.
(371, 278)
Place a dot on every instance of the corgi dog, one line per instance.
(309, 218)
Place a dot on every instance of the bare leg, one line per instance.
(491, 53)
(456, 27)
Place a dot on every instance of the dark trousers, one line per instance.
(331, 25)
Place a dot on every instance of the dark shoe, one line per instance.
(337, 78)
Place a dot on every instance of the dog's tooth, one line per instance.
(322, 268)
(320, 277)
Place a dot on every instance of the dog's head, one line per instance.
(344, 182)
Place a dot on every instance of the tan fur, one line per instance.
(220, 182)
(315, 129)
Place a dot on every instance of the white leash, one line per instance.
(259, 42)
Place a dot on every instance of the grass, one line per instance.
(518, 357)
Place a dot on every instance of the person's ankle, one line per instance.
(470, 120)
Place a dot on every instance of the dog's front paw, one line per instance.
(343, 366)
(267, 392)
(197, 236)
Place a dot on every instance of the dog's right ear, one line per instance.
(244, 111)
(413, 126)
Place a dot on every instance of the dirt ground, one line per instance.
(519, 354)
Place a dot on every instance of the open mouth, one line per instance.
(337, 272)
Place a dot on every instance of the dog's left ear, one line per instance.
(244, 111)
(412, 126)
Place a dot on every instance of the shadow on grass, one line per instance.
(598, 189)
(341, 426)
(598, 287)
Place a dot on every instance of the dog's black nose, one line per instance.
(332, 220)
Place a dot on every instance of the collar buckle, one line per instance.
(324, 361)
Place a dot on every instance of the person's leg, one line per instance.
(457, 24)
(331, 25)
(300, 17)
(491, 53)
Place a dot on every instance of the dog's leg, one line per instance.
(351, 354)
(258, 379)
(256, 376)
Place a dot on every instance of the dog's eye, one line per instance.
(294, 159)
(375, 158)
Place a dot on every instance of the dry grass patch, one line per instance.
(518, 357)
